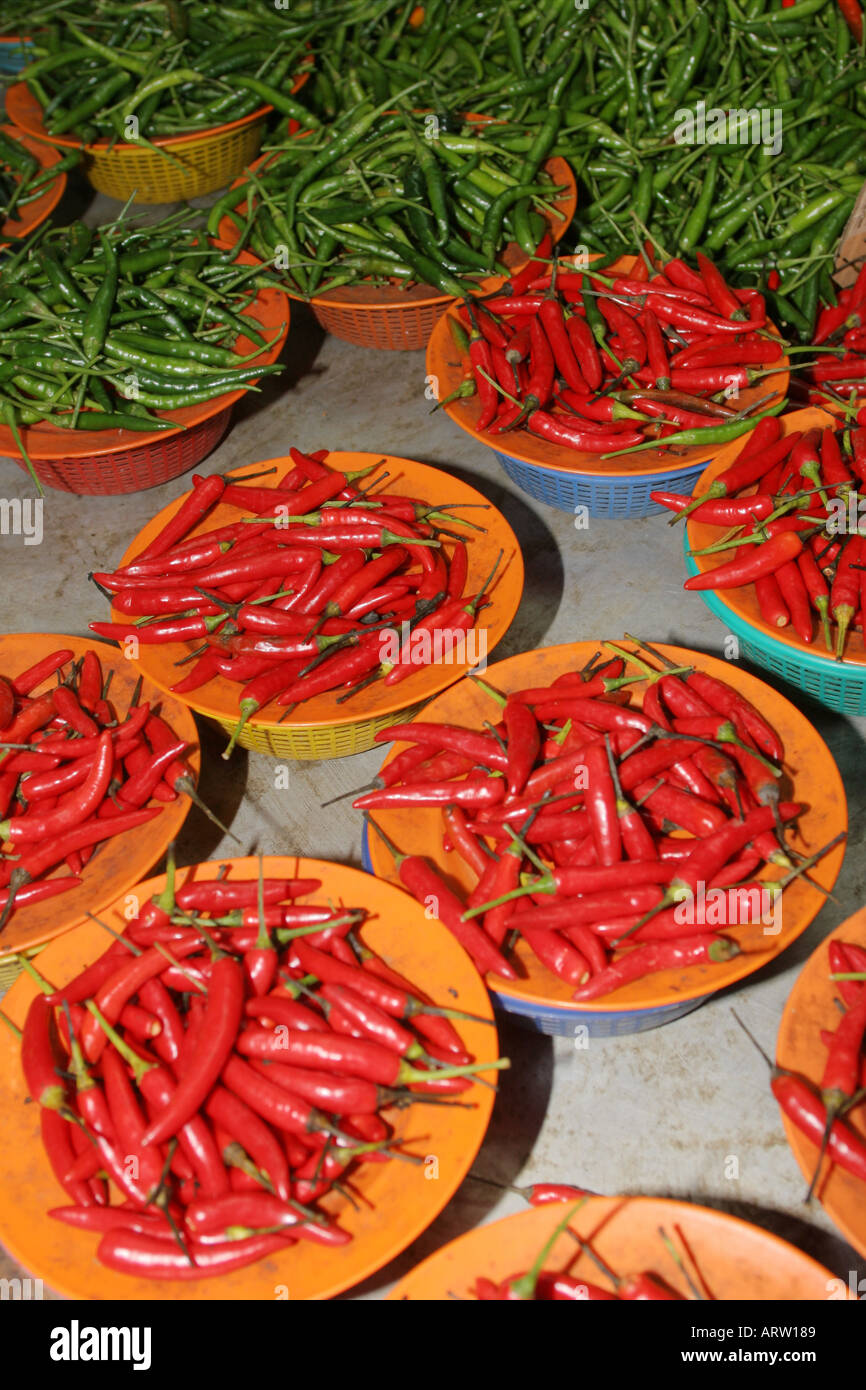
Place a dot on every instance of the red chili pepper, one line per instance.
(766, 558)
(76, 807)
(482, 748)
(38, 1060)
(245, 1126)
(808, 1112)
(585, 349)
(462, 839)
(667, 955)
(601, 805)
(845, 589)
(553, 322)
(140, 1255)
(219, 1030)
(720, 511)
(524, 741)
(191, 511)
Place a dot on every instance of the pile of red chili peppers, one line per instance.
(611, 363)
(246, 1050)
(565, 812)
(821, 1113)
(789, 505)
(74, 772)
(291, 599)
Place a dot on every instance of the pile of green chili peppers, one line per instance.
(402, 195)
(624, 75)
(22, 177)
(163, 67)
(99, 330)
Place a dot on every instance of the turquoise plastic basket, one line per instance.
(571, 1023)
(604, 495)
(839, 685)
(15, 54)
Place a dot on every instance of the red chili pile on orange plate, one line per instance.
(565, 811)
(236, 1046)
(291, 602)
(608, 363)
(73, 774)
(791, 501)
(820, 1113)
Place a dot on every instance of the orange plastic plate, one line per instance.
(742, 601)
(445, 363)
(809, 766)
(727, 1258)
(219, 698)
(810, 1008)
(397, 1200)
(121, 861)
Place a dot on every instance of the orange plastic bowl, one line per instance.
(565, 478)
(120, 862)
(841, 685)
(28, 217)
(810, 1008)
(109, 462)
(321, 728)
(728, 1259)
(200, 161)
(540, 999)
(398, 1201)
(401, 318)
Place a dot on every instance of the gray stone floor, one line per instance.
(659, 1113)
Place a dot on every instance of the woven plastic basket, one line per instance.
(200, 162)
(28, 216)
(322, 728)
(109, 462)
(568, 479)
(840, 685)
(615, 496)
(15, 53)
(401, 319)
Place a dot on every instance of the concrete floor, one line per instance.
(660, 1113)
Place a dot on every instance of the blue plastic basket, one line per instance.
(603, 494)
(839, 685)
(15, 54)
(573, 1022)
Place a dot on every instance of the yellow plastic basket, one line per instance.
(192, 165)
(312, 742)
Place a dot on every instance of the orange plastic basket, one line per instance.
(200, 161)
(109, 462)
(397, 318)
(31, 215)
